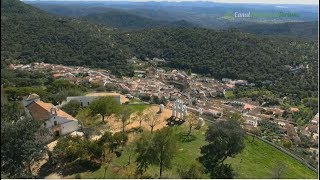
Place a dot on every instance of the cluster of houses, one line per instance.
(312, 129)
(253, 114)
(172, 85)
(147, 82)
(232, 83)
(194, 90)
(75, 74)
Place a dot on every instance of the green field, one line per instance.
(135, 100)
(257, 160)
(139, 107)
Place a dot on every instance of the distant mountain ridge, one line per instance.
(306, 30)
(123, 20)
(117, 18)
(31, 35)
(135, 15)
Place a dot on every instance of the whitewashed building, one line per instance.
(87, 99)
(252, 122)
(56, 120)
(315, 120)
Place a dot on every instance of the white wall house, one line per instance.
(87, 99)
(315, 137)
(61, 123)
(281, 124)
(315, 120)
(56, 120)
(252, 122)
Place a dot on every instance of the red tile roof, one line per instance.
(248, 106)
(290, 130)
(276, 111)
(40, 110)
(57, 75)
(294, 109)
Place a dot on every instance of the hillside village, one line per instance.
(197, 92)
(159, 90)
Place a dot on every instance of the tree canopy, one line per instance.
(159, 150)
(226, 139)
(72, 107)
(105, 106)
(23, 141)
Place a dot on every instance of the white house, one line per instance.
(281, 124)
(87, 99)
(315, 137)
(315, 120)
(56, 120)
(252, 122)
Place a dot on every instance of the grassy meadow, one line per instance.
(257, 160)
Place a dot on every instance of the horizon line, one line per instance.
(181, 1)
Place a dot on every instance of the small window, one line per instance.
(81, 104)
(88, 103)
(55, 123)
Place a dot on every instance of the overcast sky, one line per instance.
(224, 1)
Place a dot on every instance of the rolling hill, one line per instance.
(112, 17)
(31, 35)
(130, 15)
(306, 30)
(123, 20)
(204, 14)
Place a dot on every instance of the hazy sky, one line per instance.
(224, 1)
